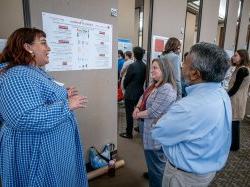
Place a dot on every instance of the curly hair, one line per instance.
(14, 53)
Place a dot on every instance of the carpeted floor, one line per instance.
(237, 169)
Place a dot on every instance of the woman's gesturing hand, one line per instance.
(77, 101)
(72, 91)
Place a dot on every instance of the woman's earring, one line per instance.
(32, 53)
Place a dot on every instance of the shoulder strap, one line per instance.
(99, 154)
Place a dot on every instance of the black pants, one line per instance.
(129, 107)
(235, 145)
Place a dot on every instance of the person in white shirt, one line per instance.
(128, 61)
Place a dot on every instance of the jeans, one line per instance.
(156, 162)
(141, 127)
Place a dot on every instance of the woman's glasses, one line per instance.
(42, 42)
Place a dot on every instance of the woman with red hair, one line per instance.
(40, 143)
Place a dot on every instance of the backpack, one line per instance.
(99, 160)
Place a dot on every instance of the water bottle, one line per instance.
(111, 168)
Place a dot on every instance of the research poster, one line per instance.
(124, 44)
(158, 45)
(77, 44)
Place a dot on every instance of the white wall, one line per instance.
(126, 20)
(244, 25)
(11, 17)
(231, 25)
(189, 31)
(169, 18)
(209, 20)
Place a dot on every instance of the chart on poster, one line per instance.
(77, 44)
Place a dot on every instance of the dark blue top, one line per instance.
(120, 64)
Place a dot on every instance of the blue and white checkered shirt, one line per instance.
(40, 144)
(157, 104)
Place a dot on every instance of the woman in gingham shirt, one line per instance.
(40, 143)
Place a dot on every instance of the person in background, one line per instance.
(228, 76)
(40, 143)
(183, 83)
(172, 53)
(238, 92)
(133, 85)
(121, 61)
(128, 61)
(195, 133)
(154, 102)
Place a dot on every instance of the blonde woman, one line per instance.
(156, 100)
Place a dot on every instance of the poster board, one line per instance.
(158, 45)
(77, 44)
(124, 44)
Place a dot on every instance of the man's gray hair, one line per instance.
(210, 60)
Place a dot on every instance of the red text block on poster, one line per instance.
(159, 45)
